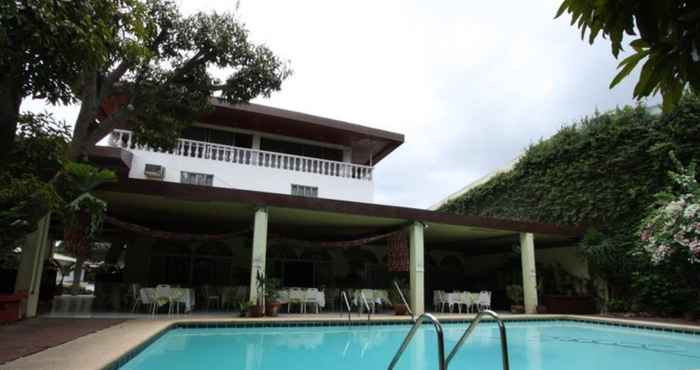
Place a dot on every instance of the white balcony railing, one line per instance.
(250, 157)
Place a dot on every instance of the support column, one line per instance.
(527, 260)
(31, 266)
(259, 251)
(417, 268)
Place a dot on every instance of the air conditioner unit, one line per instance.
(154, 171)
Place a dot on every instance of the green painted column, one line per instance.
(31, 266)
(417, 268)
(259, 251)
(527, 260)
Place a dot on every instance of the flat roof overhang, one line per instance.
(369, 145)
(198, 209)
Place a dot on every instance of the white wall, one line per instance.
(247, 177)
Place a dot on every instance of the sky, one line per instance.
(470, 84)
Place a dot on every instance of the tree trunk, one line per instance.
(77, 271)
(10, 101)
(88, 113)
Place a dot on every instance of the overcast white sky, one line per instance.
(470, 84)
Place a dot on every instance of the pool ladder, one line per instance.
(442, 362)
(347, 304)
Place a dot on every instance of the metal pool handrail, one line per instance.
(396, 285)
(347, 304)
(364, 300)
(442, 365)
(470, 329)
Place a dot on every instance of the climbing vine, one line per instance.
(602, 172)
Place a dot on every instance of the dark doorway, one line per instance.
(298, 274)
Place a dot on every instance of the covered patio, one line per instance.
(214, 242)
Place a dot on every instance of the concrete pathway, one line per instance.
(30, 336)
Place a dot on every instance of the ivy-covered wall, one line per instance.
(601, 172)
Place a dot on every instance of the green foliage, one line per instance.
(602, 172)
(37, 179)
(26, 194)
(46, 43)
(668, 37)
(160, 80)
(515, 294)
(659, 292)
(81, 178)
(45, 46)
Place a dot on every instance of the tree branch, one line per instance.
(127, 64)
(107, 125)
(200, 57)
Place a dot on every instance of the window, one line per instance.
(217, 136)
(305, 191)
(194, 178)
(307, 150)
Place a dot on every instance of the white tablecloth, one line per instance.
(283, 296)
(187, 297)
(378, 296)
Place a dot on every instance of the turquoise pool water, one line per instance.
(555, 345)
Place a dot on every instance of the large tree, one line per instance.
(159, 80)
(666, 36)
(44, 44)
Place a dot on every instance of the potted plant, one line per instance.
(243, 308)
(255, 310)
(515, 294)
(272, 306)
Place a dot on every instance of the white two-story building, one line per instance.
(260, 148)
(251, 189)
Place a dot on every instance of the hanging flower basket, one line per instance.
(84, 217)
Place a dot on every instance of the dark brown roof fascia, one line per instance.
(202, 193)
(308, 118)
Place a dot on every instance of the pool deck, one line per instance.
(101, 349)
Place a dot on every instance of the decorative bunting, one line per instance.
(397, 252)
(167, 235)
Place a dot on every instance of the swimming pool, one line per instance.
(533, 345)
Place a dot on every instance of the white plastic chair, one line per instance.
(311, 296)
(472, 300)
(442, 300)
(148, 298)
(211, 294)
(367, 295)
(178, 296)
(455, 299)
(296, 295)
(135, 296)
(164, 291)
(484, 301)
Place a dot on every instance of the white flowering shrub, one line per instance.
(672, 229)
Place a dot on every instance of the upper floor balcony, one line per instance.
(207, 163)
(261, 148)
(249, 157)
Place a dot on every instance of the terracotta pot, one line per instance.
(272, 309)
(255, 311)
(400, 310)
(517, 308)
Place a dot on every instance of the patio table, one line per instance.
(378, 296)
(283, 297)
(187, 298)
